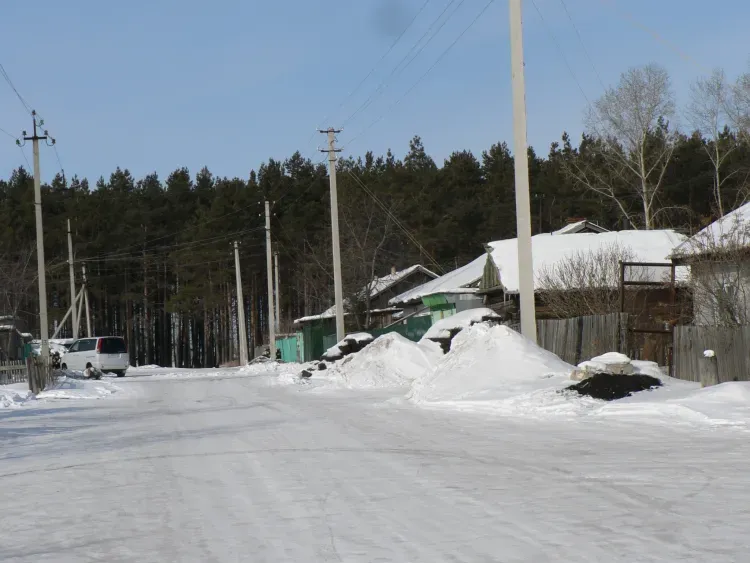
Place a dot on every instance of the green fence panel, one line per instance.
(288, 347)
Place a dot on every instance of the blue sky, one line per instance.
(152, 86)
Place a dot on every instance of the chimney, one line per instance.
(393, 270)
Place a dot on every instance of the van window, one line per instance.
(113, 346)
(86, 345)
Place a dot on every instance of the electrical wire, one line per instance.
(189, 244)
(9, 135)
(5, 75)
(583, 44)
(395, 220)
(421, 78)
(372, 70)
(560, 51)
(398, 69)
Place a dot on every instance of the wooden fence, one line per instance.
(581, 338)
(14, 371)
(32, 370)
(731, 345)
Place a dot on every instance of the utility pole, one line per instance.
(73, 316)
(338, 289)
(269, 275)
(86, 301)
(43, 322)
(240, 307)
(277, 318)
(521, 160)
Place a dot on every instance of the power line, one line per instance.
(369, 74)
(9, 135)
(395, 220)
(153, 251)
(560, 51)
(398, 69)
(5, 75)
(656, 35)
(440, 58)
(583, 44)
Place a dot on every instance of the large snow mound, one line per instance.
(459, 321)
(390, 361)
(490, 363)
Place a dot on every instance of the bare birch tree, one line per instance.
(709, 111)
(631, 121)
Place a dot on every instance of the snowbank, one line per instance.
(351, 344)
(488, 363)
(14, 396)
(69, 388)
(390, 361)
(459, 321)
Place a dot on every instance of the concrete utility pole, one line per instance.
(269, 275)
(278, 293)
(73, 316)
(240, 307)
(338, 289)
(521, 160)
(43, 322)
(86, 301)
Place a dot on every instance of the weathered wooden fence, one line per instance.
(581, 338)
(32, 370)
(14, 371)
(731, 344)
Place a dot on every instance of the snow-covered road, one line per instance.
(234, 469)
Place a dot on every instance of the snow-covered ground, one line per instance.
(229, 465)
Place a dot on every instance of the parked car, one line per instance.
(107, 353)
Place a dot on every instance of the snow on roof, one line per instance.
(547, 250)
(579, 226)
(456, 281)
(729, 231)
(379, 285)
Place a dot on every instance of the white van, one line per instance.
(107, 353)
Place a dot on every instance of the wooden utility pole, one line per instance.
(240, 307)
(269, 271)
(338, 288)
(521, 160)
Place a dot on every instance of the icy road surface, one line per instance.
(235, 469)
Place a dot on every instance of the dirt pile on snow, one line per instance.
(613, 386)
(444, 330)
(390, 361)
(488, 363)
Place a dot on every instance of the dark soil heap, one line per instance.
(610, 387)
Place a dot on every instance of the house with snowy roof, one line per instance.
(719, 261)
(492, 278)
(380, 314)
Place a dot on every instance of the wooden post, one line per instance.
(709, 369)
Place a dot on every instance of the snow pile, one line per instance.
(12, 396)
(491, 363)
(69, 388)
(390, 361)
(265, 366)
(351, 344)
(459, 321)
